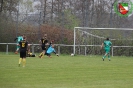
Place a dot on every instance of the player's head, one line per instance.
(52, 41)
(107, 38)
(45, 36)
(19, 34)
(24, 38)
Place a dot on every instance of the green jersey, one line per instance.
(107, 44)
(20, 38)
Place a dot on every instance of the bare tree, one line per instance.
(1, 5)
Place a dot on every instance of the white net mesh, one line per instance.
(88, 40)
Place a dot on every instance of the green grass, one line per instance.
(66, 72)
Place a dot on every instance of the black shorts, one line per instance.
(22, 54)
(43, 47)
(48, 54)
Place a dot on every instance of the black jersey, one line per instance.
(23, 45)
(44, 41)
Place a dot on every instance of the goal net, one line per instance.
(87, 40)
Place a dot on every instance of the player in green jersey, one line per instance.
(18, 39)
(107, 45)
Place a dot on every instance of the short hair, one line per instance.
(45, 35)
(107, 38)
(24, 38)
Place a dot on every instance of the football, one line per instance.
(72, 54)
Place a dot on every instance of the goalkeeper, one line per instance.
(51, 49)
(107, 45)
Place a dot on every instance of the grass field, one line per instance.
(66, 72)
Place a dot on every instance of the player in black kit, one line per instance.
(43, 42)
(23, 49)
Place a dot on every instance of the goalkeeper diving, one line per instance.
(107, 45)
(50, 49)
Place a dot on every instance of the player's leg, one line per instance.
(16, 52)
(20, 59)
(24, 62)
(41, 54)
(105, 54)
(44, 51)
(109, 56)
(48, 54)
(24, 59)
(108, 53)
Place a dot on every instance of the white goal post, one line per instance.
(93, 37)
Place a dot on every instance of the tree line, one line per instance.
(56, 17)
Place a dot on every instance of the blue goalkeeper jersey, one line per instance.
(50, 50)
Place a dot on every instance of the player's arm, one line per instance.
(22, 38)
(55, 53)
(47, 42)
(110, 44)
(50, 44)
(15, 39)
(102, 46)
(40, 42)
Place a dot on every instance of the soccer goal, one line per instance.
(88, 40)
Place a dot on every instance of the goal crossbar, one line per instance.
(89, 28)
(103, 28)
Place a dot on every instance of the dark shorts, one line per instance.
(22, 54)
(107, 50)
(48, 54)
(43, 47)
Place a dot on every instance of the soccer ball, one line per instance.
(57, 54)
(72, 54)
